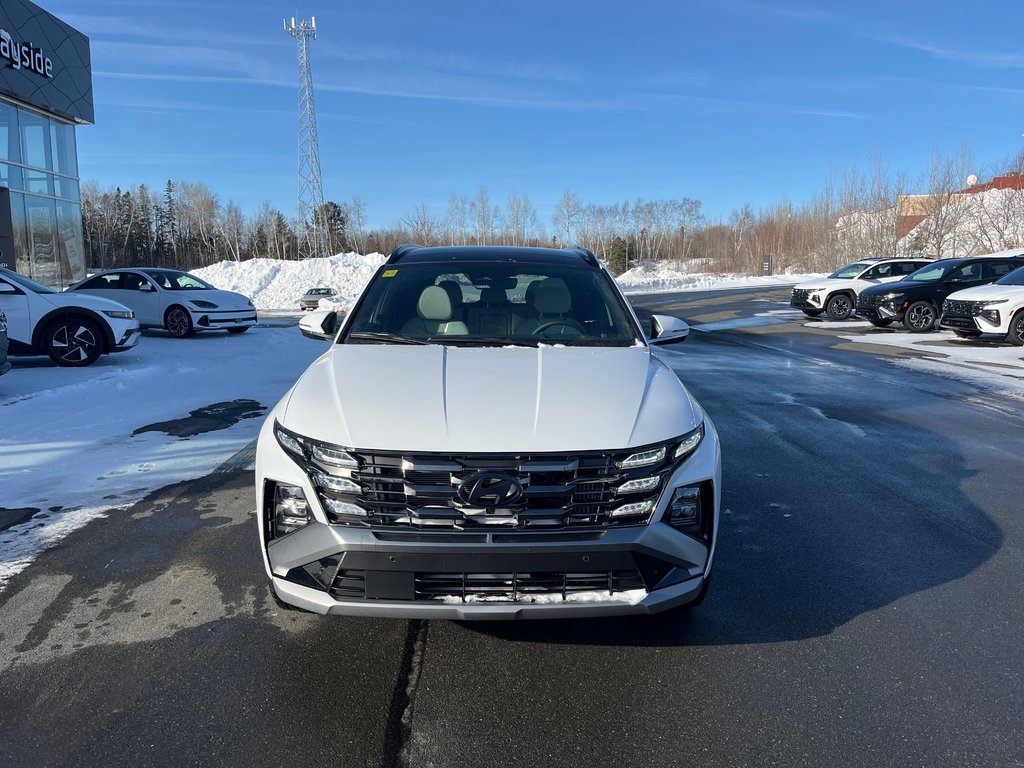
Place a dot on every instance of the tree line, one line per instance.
(859, 211)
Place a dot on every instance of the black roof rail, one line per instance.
(586, 254)
(403, 250)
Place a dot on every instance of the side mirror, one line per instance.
(321, 324)
(668, 330)
(7, 288)
(146, 287)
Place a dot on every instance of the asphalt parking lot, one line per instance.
(865, 609)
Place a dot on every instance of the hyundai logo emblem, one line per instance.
(489, 489)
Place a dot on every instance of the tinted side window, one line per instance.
(132, 280)
(103, 282)
(966, 273)
(993, 270)
(879, 272)
(906, 267)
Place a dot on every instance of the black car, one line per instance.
(4, 365)
(916, 300)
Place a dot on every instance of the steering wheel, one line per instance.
(566, 322)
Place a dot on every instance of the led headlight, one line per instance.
(121, 314)
(289, 442)
(634, 508)
(291, 510)
(639, 485)
(333, 456)
(336, 484)
(643, 458)
(689, 442)
(336, 507)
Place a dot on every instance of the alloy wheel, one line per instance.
(73, 343)
(920, 317)
(179, 324)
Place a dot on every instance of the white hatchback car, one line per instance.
(171, 299)
(837, 294)
(74, 330)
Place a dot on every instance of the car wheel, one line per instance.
(73, 342)
(178, 323)
(243, 329)
(1016, 334)
(966, 334)
(839, 307)
(812, 312)
(881, 323)
(920, 317)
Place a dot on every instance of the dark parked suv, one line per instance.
(916, 301)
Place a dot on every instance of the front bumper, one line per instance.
(220, 319)
(128, 340)
(497, 574)
(806, 300)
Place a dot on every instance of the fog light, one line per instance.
(291, 510)
(639, 485)
(642, 459)
(635, 508)
(684, 510)
(333, 456)
(336, 507)
(338, 484)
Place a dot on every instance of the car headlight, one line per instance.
(121, 314)
(891, 296)
(202, 304)
(997, 301)
(330, 471)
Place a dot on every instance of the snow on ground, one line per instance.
(67, 447)
(273, 284)
(667, 277)
(997, 367)
(279, 284)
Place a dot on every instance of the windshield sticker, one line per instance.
(390, 273)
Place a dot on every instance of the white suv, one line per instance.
(997, 308)
(488, 436)
(73, 329)
(837, 293)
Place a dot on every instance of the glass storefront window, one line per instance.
(41, 215)
(62, 142)
(39, 182)
(10, 144)
(22, 257)
(10, 176)
(67, 188)
(35, 139)
(71, 250)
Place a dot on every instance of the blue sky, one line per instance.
(727, 102)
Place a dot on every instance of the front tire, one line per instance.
(920, 317)
(1016, 334)
(178, 323)
(73, 342)
(881, 323)
(839, 307)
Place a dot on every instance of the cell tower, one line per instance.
(313, 240)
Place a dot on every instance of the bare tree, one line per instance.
(566, 212)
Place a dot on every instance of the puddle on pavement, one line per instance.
(209, 418)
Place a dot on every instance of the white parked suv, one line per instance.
(997, 309)
(837, 294)
(74, 330)
(171, 299)
(488, 436)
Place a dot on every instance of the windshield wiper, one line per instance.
(482, 341)
(392, 338)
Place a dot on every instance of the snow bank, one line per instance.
(279, 284)
(663, 277)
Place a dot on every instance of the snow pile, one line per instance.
(661, 277)
(279, 284)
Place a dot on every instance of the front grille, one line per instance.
(420, 490)
(869, 300)
(498, 587)
(801, 293)
(963, 308)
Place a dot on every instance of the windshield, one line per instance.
(492, 304)
(1014, 278)
(173, 280)
(24, 282)
(933, 273)
(850, 270)
(319, 292)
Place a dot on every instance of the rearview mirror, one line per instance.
(321, 324)
(668, 330)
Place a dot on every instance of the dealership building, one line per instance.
(45, 91)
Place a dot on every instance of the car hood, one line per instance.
(223, 299)
(821, 284)
(491, 399)
(81, 299)
(988, 293)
